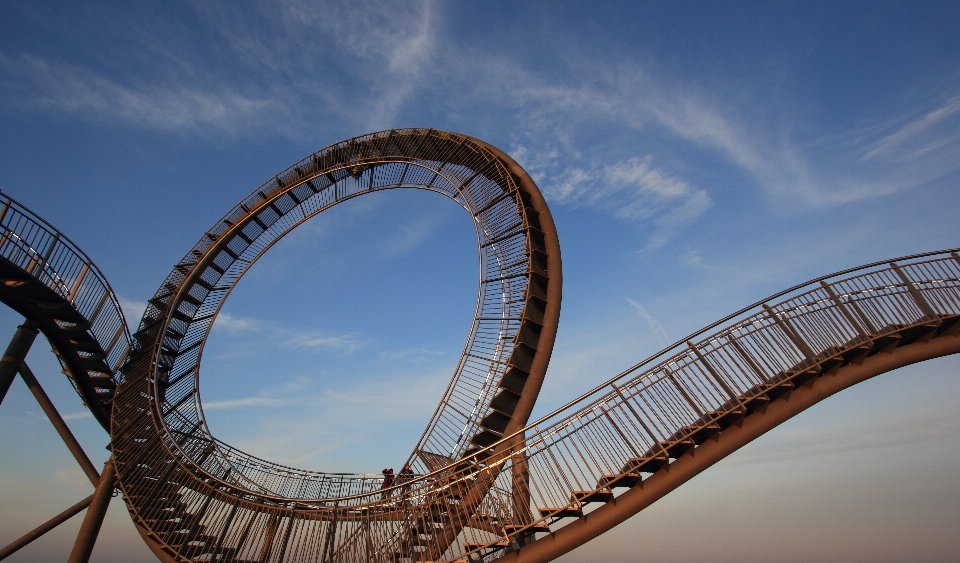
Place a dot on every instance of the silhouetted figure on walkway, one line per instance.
(387, 481)
(404, 478)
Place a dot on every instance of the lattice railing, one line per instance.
(44, 253)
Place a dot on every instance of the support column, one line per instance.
(94, 517)
(16, 352)
(59, 424)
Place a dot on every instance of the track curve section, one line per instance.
(489, 486)
(51, 282)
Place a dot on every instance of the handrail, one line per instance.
(720, 322)
(38, 248)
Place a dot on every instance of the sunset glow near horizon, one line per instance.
(696, 157)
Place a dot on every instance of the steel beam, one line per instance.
(44, 528)
(94, 517)
(59, 424)
(16, 352)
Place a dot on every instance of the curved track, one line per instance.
(56, 287)
(486, 485)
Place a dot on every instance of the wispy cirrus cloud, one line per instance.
(306, 339)
(806, 171)
(412, 354)
(410, 235)
(230, 323)
(61, 87)
(655, 327)
(309, 430)
(933, 130)
(250, 402)
(277, 68)
(249, 333)
(283, 68)
(361, 61)
(633, 189)
(132, 310)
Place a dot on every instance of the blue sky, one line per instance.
(696, 157)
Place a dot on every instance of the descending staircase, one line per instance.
(54, 285)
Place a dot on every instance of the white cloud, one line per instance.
(78, 415)
(808, 172)
(288, 67)
(412, 354)
(632, 190)
(693, 259)
(62, 87)
(913, 139)
(304, 48)
(132, 310)
(308, 339)
(248, 402)
(655, 327)
(241, 329)
(230, 323)
(409, 236)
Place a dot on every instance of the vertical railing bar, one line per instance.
(226, 528)
(791, 334)
(676, 383)
(664, 416)
(652, 411)
(712, 372)
(915, 293)
(746, 358)
(653, 436)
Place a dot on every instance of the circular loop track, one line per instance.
(160, 430)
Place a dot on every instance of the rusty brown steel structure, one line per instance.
(159, 427)
(487, 484)
(61, 293)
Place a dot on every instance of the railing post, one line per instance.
(76, 284)
(94, 517)
(16, 352)
(746, 357)
(847, 314)
(637, 416)
(331, 536)
(716, 376)
(682, 391)
(50, 248)
(520, 480)
(3, 214)
(918, 298)
(791, 334)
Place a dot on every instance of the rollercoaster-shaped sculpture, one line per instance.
(486, 484)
